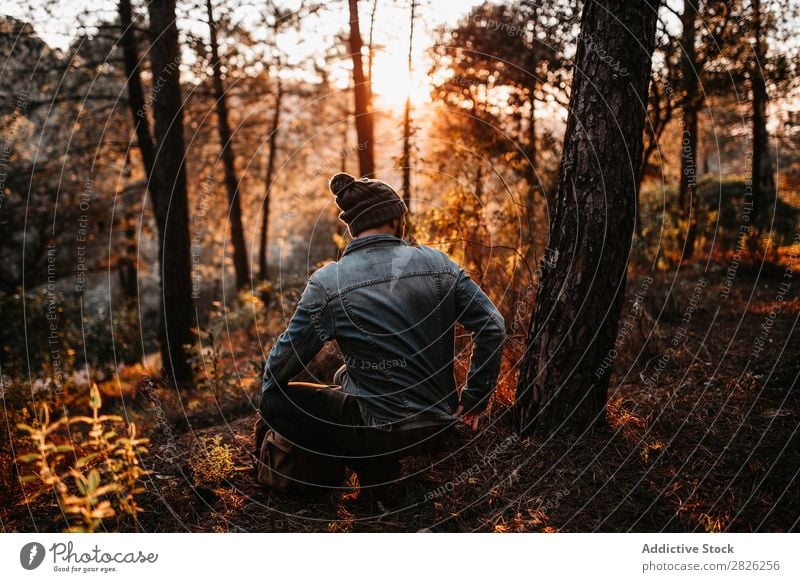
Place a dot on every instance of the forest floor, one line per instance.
(704, 440)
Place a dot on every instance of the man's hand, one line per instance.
(471, 419)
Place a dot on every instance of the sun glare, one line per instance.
(391, 84)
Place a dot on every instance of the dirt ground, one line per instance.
(704, 440)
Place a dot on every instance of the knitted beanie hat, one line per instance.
(365, 203)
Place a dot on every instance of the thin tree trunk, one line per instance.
(407, 116)
(533, 67)
(361, 92)
(340, 227)
(531, 150)
(651, 130)
(169, 178)
(763, 180)
(654, 129)
(126, 263)
(687, 196)
(562, 383)
(473, 247)
(370, 52)
(663, 107)
(530, 166)
(127, 268)
(128, 271)
(240, 262)
(406, 164)
(136, 104)
(263, 256)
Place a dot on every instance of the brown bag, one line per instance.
(283, 467)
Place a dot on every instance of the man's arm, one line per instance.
(476, 312)
(307, 332)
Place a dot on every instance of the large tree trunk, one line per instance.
(361, 92)
(240, 262)
(169, 179)
(407, 116)
(687, 195)
(762, 172)
(263, 262)
(562, 386)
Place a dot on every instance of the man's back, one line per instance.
(392, 309)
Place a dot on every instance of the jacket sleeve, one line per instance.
(306, 334)
(476, 312)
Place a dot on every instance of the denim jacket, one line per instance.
(392, 309)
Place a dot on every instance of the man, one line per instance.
(392, 309)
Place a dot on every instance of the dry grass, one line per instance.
(710, 448)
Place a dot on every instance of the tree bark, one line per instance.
(687, 196)
(240, 263)
(169, 178)
(562, 384)
(263, 258)
(763, 180)
(361, 92)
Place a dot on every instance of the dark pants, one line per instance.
(325, 420)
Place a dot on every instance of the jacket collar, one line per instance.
(358, 243)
